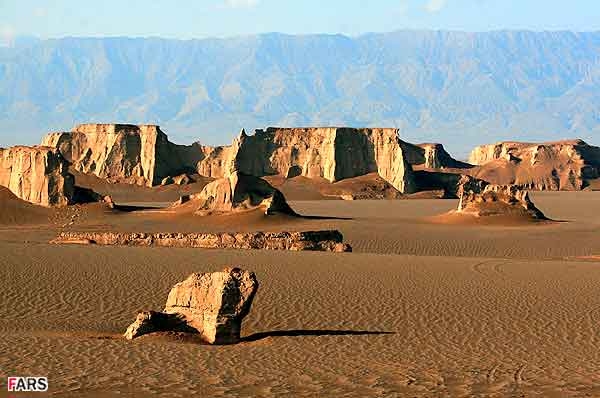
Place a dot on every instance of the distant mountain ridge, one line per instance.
(458, 88)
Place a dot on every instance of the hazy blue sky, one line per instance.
(203, 18)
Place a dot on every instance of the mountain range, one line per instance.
(458, 88)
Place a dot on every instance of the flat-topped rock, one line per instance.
(560, 165)
(138, 154)
(332, 153)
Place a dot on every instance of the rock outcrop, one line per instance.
(327, 240)
(210, 304)
(498, 200)
(239, 192)
(451, 184)
(432, 156)
(562, 165)
(128, 153)
(331, 153)
(36, 174)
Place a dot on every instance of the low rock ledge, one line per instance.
(326, 240)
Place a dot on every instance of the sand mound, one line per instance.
(15, 211)
(236, 193)
(495, 204)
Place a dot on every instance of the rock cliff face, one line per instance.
(36, 174)
(212, 305)
(140, 154)
(562, 165)
(331, 153)
(239, 192)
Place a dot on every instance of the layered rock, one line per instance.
(331, 153)
(135, 154)
(327, 240)
(502, 200)
(210, 304)
(562, 165)
(36, 174)
(239, 192)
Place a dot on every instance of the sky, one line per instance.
(186, 19)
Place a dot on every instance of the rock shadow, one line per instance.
(309, 332)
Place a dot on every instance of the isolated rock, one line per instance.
(127, 153)
(327, 240)
(211, 304)
(239, 192)
(561, 165)
(331, 153)
(36, 174)
(498, 200)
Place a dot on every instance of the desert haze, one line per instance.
(299, 262)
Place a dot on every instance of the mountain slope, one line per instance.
(459, 88)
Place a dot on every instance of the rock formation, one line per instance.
(503, 200)
(451, 184)
(210, 304)
(36, 174)
(128, 153)
(432, 156)
(239, 192)
(562, 165)
(331, 241)
(331, 153)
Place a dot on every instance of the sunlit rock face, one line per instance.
(138, 154)
(561, 165)
(36, 174)
(331, 153)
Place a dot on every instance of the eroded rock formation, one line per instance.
(239, 192)
(128, 153)
(562, 165)
(210, 304)
(503, 200)
(36, 174)
(327, 240)
(331, 153)
(432, 156)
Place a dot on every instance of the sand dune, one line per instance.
(418, 309)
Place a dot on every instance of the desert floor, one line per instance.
(418, 309)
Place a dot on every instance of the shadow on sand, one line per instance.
(306, 332)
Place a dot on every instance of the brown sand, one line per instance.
(419, 309)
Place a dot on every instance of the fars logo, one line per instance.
(27, 384)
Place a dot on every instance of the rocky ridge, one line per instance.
(327, 240)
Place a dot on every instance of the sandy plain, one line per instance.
(418, 309)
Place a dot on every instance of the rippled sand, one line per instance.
(418, 309)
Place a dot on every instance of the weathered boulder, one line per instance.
(498, 200)
(128, 153)
(36, 174)
(332, 153)
(561, 165)
(239, 192)
(210, 304)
